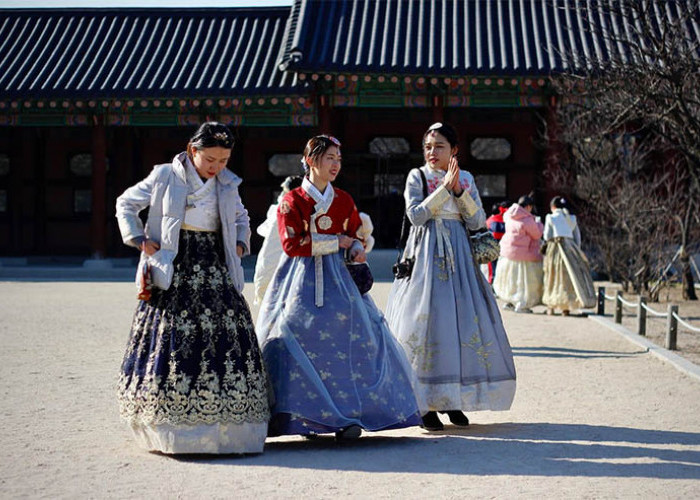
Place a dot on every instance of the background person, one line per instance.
(519, 278)
(271, 249)
(568, 283)
(497, 228)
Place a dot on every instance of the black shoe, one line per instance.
(457, 417)
(352, 432)
(431, 422)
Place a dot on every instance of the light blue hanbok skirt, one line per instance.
(447, 320)
(331, 366)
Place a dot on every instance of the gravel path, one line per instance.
(594, 417)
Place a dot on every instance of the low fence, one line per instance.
(643, 310)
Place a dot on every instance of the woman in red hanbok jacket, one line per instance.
(333, 364)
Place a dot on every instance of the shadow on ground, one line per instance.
(562, 352)
(531, 449)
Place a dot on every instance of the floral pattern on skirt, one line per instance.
(192, 358)
(447, 320)
(332, 366)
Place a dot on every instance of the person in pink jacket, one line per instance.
(519, 278)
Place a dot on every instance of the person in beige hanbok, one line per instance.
(568, 283)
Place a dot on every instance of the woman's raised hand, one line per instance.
(451, 181)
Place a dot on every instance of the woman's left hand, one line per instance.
(240, 250)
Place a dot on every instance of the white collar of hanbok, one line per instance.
(197, 188)
(435, 171)
(323, 200)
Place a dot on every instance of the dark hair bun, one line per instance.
(526, 200)
(558, 202)
(446, 130)
(212, 134)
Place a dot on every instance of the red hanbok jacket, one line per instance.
(294, 218)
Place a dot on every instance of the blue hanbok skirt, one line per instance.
(335, 365)
(447, 320)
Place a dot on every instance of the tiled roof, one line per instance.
(456, 37)
(143, 53)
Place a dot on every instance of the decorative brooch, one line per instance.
(324, 223)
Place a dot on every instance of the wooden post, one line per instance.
(671, 328)
(642, 316)
(99, 190)
(618, 307)
(601, 300)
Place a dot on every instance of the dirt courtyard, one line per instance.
(594, 416)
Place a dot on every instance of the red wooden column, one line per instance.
(20, 155)
(98, 234)
(324, 115)
(438, 108)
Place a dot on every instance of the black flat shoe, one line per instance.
(349, 433)
(431, 422)
(457, 417)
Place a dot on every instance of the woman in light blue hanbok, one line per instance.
(444, 313)
(332, 361)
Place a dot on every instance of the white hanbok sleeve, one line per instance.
(420, 210)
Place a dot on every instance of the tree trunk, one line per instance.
(687, 276)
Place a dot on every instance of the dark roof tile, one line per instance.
(143, 53)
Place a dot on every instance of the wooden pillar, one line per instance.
(42, 138)
(99, 190)
(21, 155)
(438, 108)
(324, 115)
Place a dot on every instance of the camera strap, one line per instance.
(405, 222)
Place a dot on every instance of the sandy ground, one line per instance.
(594, 417)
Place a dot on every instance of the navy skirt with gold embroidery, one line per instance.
(192, 379)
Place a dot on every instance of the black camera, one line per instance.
(403, 268)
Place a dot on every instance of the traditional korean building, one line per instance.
(91, 99)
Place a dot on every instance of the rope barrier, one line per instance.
(672, 311)
(655, 313)
(628, 304)
(687, 325)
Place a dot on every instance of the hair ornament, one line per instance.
(435, 126)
